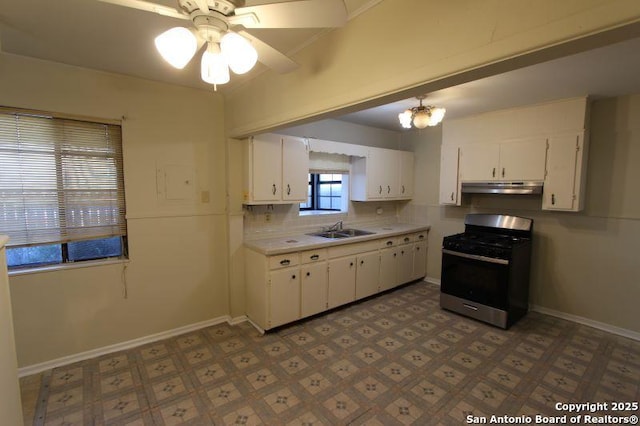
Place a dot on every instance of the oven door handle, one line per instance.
(476, 257)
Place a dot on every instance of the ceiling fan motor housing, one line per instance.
(226, 7)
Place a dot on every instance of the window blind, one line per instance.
(61, 179)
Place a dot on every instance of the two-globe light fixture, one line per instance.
(421, 116)
(178, 45)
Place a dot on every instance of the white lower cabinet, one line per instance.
(287, 287)
(284, 296)
(313, 289)
(342, 281)
(388, 268)
(419, 260)
(367, 274)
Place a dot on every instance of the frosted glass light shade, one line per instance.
(437, 114)
(239, 53)
(405, 119)
(214, 68)
(177, 46)
(421, 119)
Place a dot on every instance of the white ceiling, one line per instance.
(101, 36)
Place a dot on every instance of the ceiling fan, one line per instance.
(220, 25)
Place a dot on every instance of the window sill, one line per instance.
(319, 212)
(60, 267)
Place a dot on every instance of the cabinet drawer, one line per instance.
(284, 260)
(351, 249)
(389, 242)
(406, 239)
(311, 256)
(420, 236)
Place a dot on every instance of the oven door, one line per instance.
(478, 279)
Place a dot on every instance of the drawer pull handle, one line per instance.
(314, 257)
(351, 264)
(308, 274)
(293, 277)
(362, 262)
(407, 239)
(273, 189)
(285, 262)
(389, 243)
(421, 237)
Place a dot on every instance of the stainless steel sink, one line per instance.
(342, 233)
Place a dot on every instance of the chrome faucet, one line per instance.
(335, 227)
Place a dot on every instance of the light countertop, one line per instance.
(300, 242)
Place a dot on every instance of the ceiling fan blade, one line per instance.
(269, 56)
(148, 6)
(296, 14)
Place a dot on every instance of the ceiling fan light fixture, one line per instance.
(239, 53)
(214, 69)
(421, 116)
(177, 46)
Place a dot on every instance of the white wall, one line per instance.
(583, 264)
(177, 274)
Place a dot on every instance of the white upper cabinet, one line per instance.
(479, 162)
(523, 160)
(406, 161)
(515, 160)
(382, 175)
(277, 170)
(566, 166)
(295, 169)
(449, 193)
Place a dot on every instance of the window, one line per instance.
(324, 193)
(61, 189)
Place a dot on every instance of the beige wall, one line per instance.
(177, 274)
(583, 264)
(342, 131)
(10, 405)
(403, 47)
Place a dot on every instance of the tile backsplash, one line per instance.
(281, 219)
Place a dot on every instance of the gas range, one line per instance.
(485, 270)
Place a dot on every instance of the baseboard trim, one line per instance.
(432, 280)
(70, 359)
(588, 322)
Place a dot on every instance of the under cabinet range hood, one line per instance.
(518, 188)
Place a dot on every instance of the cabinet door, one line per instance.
(560, 182)
(389, 166)
(523, 160)
(266, 173)
(367, 274)
(376, 174)
(388, 268)
(284, 296)
(479, 162)
(419, 260)
(342, 281)
(449, 175)
(405, 263)
(405, 187)
(313, 289)
(295, 169)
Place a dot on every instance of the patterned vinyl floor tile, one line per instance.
(395, 359)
